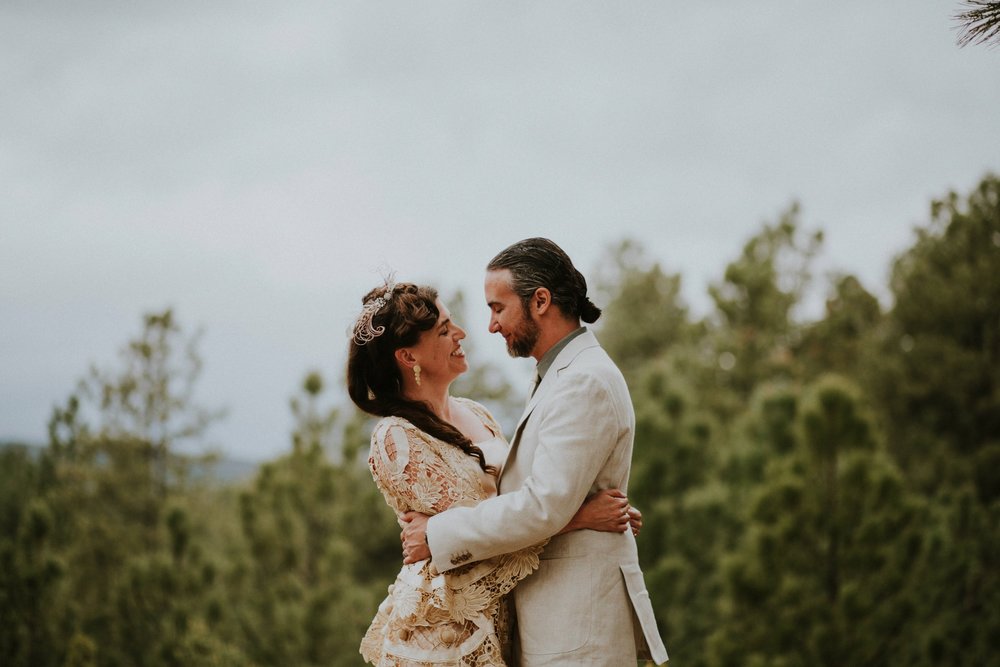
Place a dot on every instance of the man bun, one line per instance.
(588, 311)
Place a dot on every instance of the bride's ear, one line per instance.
(405, 357)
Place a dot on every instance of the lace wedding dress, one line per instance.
(428, 618)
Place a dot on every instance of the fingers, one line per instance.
(617, 504)
(635, 520)
(622, 521)
(414, 553)
(632, 520)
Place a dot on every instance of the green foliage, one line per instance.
(954, 619)
(814, 492)
(937, 365)
(30, 570)
(795, 518)
(836, 344)
(756, 298)
(647, 315)
(321, 548)
(102, 569)
(672, 481)
(823, 573)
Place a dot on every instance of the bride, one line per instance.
(431, 451)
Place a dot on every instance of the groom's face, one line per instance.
(508, 316)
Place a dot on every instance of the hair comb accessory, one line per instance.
(364, 332)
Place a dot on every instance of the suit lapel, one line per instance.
(565, 358)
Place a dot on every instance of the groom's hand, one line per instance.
(414, 538)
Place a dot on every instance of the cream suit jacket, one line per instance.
(587, 604)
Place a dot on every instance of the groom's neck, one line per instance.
(551, 333)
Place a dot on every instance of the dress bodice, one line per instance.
(495, 451)
(431, 619)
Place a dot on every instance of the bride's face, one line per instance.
(439, 350)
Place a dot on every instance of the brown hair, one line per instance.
(373, 378)
(538, 262)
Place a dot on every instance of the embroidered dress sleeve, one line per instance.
(429, 617)
(409, 471)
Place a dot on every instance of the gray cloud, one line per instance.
(254, 164)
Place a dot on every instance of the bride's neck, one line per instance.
(435, 397)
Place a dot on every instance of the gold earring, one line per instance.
(416, 373)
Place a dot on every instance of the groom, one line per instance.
(587, 604)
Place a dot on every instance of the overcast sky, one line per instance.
(254, 165)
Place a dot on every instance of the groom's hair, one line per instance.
(538, 262)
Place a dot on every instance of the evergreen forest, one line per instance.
(816, 492)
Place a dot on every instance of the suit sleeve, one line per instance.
(579, 427)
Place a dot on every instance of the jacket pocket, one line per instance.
(553, 606)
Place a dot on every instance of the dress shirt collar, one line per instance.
(549, 357)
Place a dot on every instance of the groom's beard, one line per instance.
(522, 340)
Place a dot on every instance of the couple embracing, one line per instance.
(514, 554)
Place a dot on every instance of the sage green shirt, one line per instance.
(546, 361)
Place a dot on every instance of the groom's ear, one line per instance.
(541, 300)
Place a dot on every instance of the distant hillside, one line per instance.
(224, 470)
(233, 470)
(33, 449)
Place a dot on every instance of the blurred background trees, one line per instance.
(820, 491)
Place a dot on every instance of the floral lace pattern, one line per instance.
(429, 618)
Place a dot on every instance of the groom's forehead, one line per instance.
(498, 283)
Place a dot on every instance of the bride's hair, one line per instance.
(373, 378)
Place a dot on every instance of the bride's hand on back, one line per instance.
(607, 511)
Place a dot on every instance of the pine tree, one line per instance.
(755, 330)
(823, 575)
(936, 369)
(115, 485)
(980, 23)
(322, 546)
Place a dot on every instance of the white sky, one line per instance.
(254, 164)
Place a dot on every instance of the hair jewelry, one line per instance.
(364, 332)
